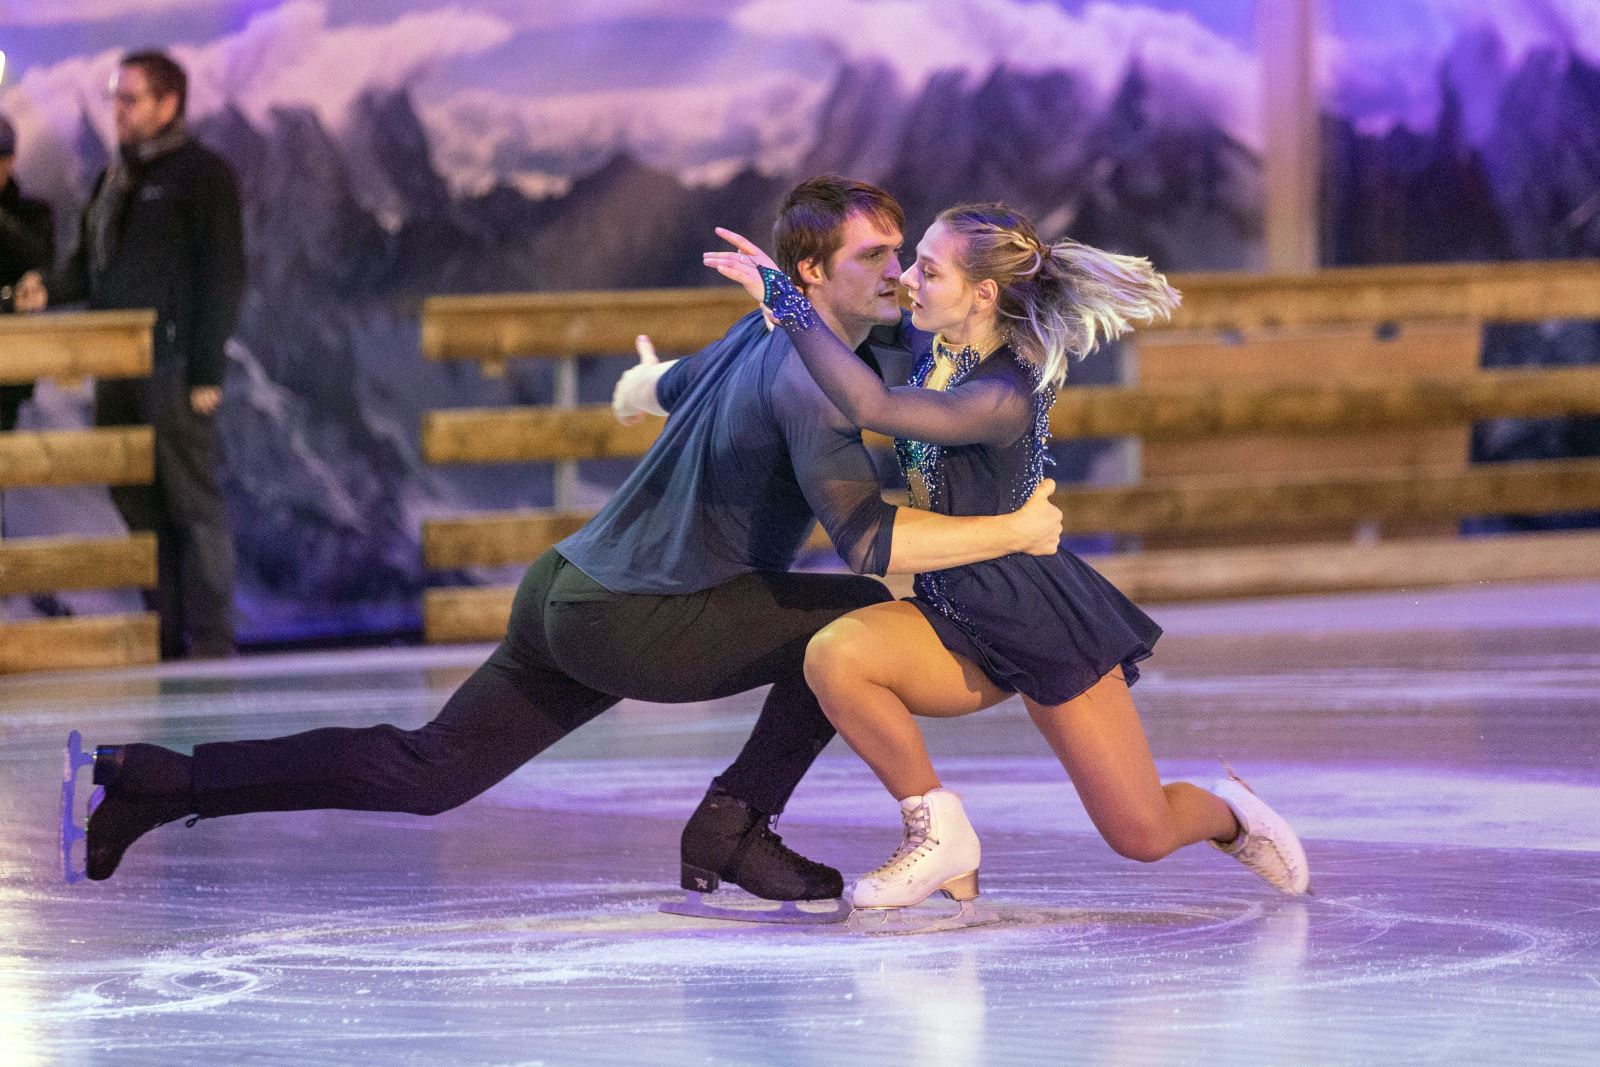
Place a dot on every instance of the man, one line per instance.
(27, 243)
(677, 590)
(163, 231)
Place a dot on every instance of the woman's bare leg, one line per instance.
(1098, 738)
(872, 670)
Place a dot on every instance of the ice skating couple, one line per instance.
(679, 589)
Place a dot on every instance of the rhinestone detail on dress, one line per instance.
(921, 462)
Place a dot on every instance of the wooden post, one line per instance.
(564, 397)
(1285, 37)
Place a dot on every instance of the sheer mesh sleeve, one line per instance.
(683, 373)
(677, 379)
(987, 410)
(834, 471)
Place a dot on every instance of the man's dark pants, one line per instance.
(571, 651)
(194, 587)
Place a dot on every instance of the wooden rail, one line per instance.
(46, 564)
(73, 345)
(1158, 413)
(1489, 292)
(1535, 487)
(79, 643)
(495, 540)
(533, 434)
(116, 455)
(1529, 488)
(504, 326)
(1189, 412)
(498, 326)
(466, 614)
(1422, 563)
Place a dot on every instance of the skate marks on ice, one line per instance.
(496, 947)
(438, 950)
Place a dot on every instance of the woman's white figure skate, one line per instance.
(1266, 842)
(938, 854)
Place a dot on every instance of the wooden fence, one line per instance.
(70, 347)
(1327, 410)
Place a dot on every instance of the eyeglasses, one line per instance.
(127, 99)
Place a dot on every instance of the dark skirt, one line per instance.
(1048, 627)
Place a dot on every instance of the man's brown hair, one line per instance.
(811, 219)
(163, 73)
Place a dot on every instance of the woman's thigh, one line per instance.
(893, 646)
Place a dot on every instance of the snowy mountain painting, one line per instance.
(390, 149)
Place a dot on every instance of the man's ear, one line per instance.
(168, 106)
(811, 271)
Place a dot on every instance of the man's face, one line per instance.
(138, 112)
(861, 286)
(8, 165)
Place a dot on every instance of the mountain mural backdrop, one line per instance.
(389, 152)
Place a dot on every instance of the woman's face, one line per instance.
(942, 300)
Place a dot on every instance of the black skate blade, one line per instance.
(919, 920)
(75, 760)
(750, 909)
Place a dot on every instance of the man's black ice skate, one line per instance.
(727, 840)
(139, 787)
(71, 828)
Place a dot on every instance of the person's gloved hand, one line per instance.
(635, 392)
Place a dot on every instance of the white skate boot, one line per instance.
(1266, 843)
(939, 854)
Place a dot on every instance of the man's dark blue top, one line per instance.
(751, 452)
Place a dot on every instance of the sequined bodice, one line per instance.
(978, 479)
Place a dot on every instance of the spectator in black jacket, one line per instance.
(27, 242)
(162, 230)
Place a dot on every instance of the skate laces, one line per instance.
(1233, 774)
(769, 841)
(917, 823)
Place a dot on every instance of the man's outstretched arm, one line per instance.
(926, 541)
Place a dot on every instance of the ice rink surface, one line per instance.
(1439, 753)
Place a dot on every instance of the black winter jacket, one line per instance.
(27, 235)
(180, 250)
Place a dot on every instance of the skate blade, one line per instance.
(75, 760)
(919, 920)
(759, 910)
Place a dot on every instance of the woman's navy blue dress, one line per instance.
(1048, 627)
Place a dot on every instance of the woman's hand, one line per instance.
(743, 266)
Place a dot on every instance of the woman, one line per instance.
(1009, 313)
